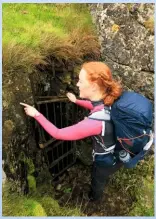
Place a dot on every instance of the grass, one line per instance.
(40, 203)
(144, 206)
(26, 24)
(34, 33)
(138, 183)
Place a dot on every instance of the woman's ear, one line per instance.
(95, 87)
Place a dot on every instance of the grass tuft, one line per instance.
(33, 34)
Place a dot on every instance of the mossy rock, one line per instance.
(31, 167)
(31, 183)
(52, 206)
(33, 208)
(28, 162)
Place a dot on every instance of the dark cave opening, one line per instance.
(58, 155)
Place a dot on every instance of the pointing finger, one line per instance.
(24, 104)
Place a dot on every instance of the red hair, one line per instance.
(100, 73)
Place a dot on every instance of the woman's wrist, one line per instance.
(37, 113)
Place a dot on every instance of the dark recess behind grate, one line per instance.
(59, 155)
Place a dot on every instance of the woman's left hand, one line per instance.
(30, 110)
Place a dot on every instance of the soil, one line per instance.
(72, 190)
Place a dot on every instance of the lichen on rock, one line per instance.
(127, 43)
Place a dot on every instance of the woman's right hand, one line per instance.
(30, 110)
(71, 97)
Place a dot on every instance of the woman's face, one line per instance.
(85, 86)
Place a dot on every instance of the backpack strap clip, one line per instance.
(149, 144)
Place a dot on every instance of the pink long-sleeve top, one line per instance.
(82, 129)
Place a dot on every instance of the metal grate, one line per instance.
(59, 155)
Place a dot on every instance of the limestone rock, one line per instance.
(127, 43)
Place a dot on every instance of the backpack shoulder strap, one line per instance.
(102, 115)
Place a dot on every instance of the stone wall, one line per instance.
(126, 35)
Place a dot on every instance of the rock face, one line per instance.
(126, 35)
(19, 144)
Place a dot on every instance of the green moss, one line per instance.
(12, 167)
(28, 162)
(34, 208)
(52, 207)
(15, 205)
(31, 183)
(31, 167)
(40, 203)
(22, 157)
(47, 203)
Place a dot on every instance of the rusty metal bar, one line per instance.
(51, 101)
(62, 149)
(47, 111)
(63, 170)
(51, 147)
(60, 155)
(43, 145)
(62, 164)
(57, 159)
(52, 97)
(54, 114)
(61, 113)
(65, 155)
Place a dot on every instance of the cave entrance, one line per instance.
(59, 155)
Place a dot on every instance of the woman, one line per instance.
(100, 89)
